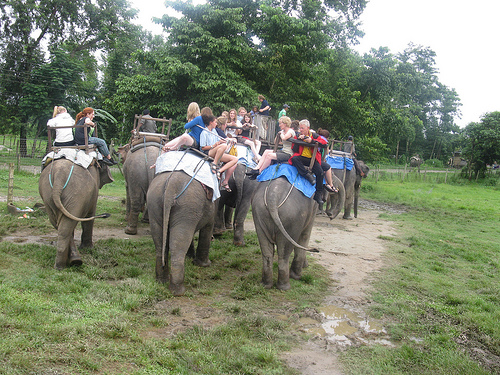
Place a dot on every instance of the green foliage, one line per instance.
(482, 142)
(437, 292)
(370, 149)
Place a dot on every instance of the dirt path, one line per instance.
(351, 251)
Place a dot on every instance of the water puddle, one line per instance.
(343, 327)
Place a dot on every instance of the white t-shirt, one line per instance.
(62, 119)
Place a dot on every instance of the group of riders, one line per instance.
(217, 137)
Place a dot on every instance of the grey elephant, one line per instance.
(137, 161)
(357, 184)
(348, 178)
(283, 217)
(334, 200)
(69, 192)
(240, 197)
(415, 162)
(179, 206)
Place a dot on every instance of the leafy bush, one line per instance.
(434, 163)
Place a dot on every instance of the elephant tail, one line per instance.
(168, 202)
(56, 197)
(273, 211)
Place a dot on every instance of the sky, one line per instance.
(463, 34)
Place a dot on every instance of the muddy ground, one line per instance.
(351, 252)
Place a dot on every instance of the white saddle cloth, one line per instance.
(79, 157)
(192, 165)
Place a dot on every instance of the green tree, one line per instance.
(482, 143)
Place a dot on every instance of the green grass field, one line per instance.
(437, 295)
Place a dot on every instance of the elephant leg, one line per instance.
(178, 250)
(65, 233)
(133, 218)
(347, 212)
(191, 253)
(267, 250)
(87, 231)
(298, 263)
(74, 256)
(145, 215)
(219, 225)
(239, 221)
(203, 248)
(161, 269)
(283, 265)
(228, 217)
(356, 206)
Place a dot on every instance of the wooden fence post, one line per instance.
(10, 189)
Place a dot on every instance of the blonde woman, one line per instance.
(61, 118)
(286, 133)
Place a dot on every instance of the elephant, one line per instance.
(69, 192)
(179, 206)
(416, 161)
(283, 216)
(349, 179)
(137, 161)
(334, 200)
(242, 190)
(357, 184)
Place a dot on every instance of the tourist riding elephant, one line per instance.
(357, 184)
(179, 206)
(138, 175)
(69, 192)
(240, 197)
(284, 217)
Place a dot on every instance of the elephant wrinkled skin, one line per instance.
(349, 180)
(138, 175)
(72, 198)
(240, 197)
(176, 213)
(285, 222)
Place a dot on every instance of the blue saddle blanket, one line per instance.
(337, 162)
(290, 172)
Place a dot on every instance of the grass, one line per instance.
(109, 316)
(438, 293)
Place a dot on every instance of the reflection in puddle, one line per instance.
(341, 324)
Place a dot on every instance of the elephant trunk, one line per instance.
(336, 200)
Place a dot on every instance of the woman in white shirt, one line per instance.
(64, 136)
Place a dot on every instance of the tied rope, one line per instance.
(269, 183)
(50, 174)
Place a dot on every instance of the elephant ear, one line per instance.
(105, 176)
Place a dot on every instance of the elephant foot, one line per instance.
(59, 266)
(86, 245)
(177, 290)
(283, 286)
(145, 220)
(295, 276)
(218, 231)
(267, 285)
(162, 280)
(131, 230)
(239, 243)
(229, 227)
(202, 263)
(347, 217)
(75, 259)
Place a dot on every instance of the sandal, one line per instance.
(226, 188)
(214, 169)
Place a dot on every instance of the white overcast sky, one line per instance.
(464, 35)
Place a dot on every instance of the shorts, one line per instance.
(195, 144)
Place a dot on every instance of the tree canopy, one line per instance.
(223, 54)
